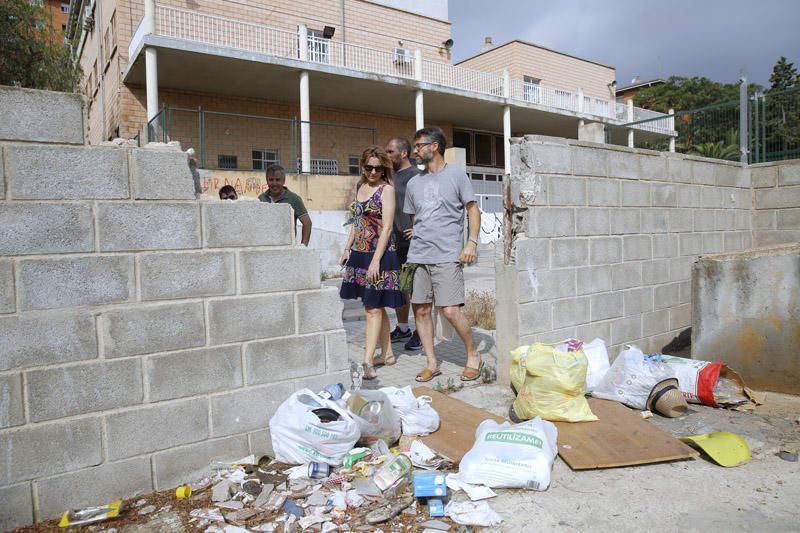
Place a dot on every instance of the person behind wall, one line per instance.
(436, 201)
(278, 193)
(227, 192)
(371, 267)
(398, 149)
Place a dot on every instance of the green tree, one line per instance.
(784, 75)
(31, 53)
(683, 94)
(782, 110)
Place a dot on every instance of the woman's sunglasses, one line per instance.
(369, 169)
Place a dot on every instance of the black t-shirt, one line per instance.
(402, 221)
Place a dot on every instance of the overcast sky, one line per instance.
(649, 38)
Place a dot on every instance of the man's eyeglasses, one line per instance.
(369, 169)
(417, 146)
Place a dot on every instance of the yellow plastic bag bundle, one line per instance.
(550, 383)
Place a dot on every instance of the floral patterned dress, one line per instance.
(367, 225)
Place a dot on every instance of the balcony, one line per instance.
(451, 91)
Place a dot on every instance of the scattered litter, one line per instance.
(184, 491)
(392, 471)
(788, 455)
(550, 381)
(213, 514)
(290, 507)
(89, 515)
(416, 414)
(388, 512)
(221, 491)
(513, 456)
(631, 378)
(475, 492)
(423, 457)
(147, 510)
(300, 436)
(646, 414)
(713, 384)
(436, 524)
(726, 449)
(308, 521)
(472, 513)
(232, 504)
(139, 503)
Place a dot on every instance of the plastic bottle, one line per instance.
(332, 391)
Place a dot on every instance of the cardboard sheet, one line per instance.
(459, 420)
(621, 437)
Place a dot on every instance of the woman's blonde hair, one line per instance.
(386, 163)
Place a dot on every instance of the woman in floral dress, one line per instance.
(372, 270)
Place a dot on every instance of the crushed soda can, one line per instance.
(318, 470)
(89, 515)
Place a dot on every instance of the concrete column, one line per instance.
(507, 138)
(630, 119)
(743, 131)
(420, 109)
(151, 61)
(302, 38)
(671, 127)
(305, 124)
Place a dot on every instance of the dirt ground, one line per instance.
(693, 495)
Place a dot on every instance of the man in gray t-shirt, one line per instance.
(436, 201)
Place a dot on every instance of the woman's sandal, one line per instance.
(369, 371)
(471, 374)
(384, 361)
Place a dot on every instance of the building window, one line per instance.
(353, 165)
(65, 8)
(39, 25)
(37, 3)
(226, 161)
(531, 92)
(318, 47)
(264, 158)
(482, 148)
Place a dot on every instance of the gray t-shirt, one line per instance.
(402, 221)
(437, 202)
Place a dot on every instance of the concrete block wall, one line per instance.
(606, 249)
(776, 214)
(143, 333)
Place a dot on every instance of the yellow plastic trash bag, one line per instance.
(550, 383)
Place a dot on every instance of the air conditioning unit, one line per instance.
(402, 56)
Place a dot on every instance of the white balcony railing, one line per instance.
(219, 31)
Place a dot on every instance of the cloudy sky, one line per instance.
(649, 38)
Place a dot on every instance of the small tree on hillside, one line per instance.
(31, 53)
(783, 109)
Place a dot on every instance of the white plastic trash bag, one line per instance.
(299, 436)
(632, 377)
(416, 414)
(512, 456)
(597, 355)
(375, 416)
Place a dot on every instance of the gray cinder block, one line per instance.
(37, 172)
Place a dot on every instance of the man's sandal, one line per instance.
(471, 374)
(426, 375)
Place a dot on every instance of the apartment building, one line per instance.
(308, 84)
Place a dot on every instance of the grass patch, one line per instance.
(479, 309)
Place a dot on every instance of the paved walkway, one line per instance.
(451, 353)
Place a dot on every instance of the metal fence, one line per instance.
(772, 129)
(239, 141)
